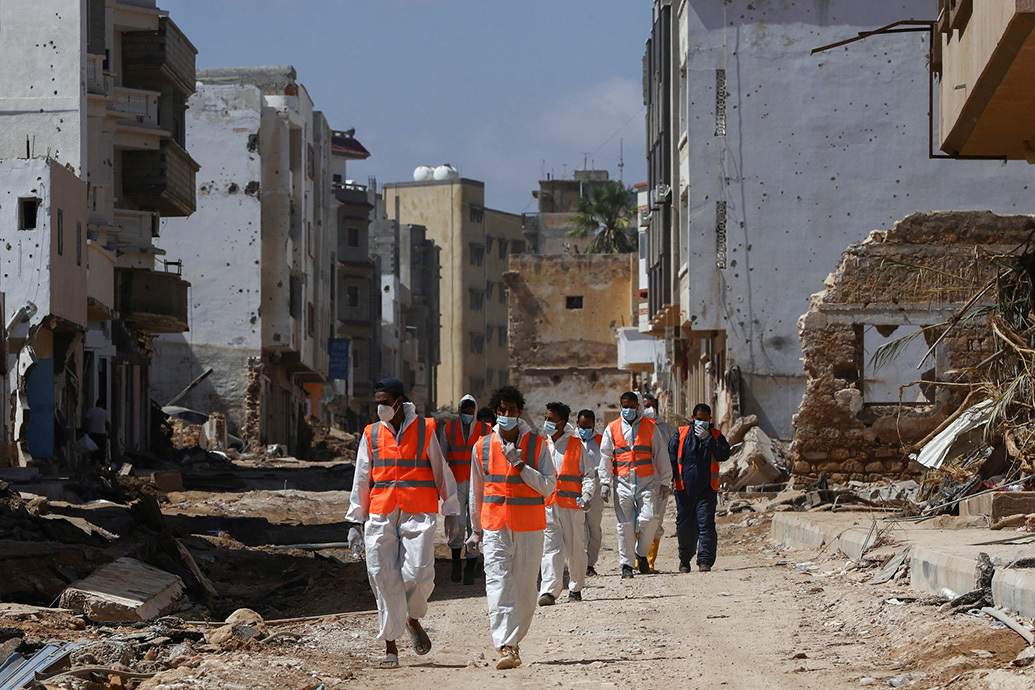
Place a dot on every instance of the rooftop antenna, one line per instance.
(585, 158)
(621, 160)
(564, 171)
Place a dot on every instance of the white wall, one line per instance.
(819, 151)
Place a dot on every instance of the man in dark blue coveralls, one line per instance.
(696, 452)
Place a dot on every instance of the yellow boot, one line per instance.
(652, 555)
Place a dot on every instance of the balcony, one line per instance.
(155, 59)
(135, 106)
(162, 180)
(95, 74)
(152, 301)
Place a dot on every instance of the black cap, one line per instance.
(389, 385)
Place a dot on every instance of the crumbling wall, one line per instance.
(921, 272)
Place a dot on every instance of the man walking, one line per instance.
(400, 477)
(590, 439)
(511, 475)
(696, 452)
(633, 454)
(98, 427)
(565, 536)
(651, 411)
(458, 439)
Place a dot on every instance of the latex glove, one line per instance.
(701, 432)
(605, 493)
(452, 526)
(474, 541)
(355, 541)
(512, 453)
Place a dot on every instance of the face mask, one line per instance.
(385, 412)
(506, 423)
(701, 425)
(628, 414)
(467, 418)
(549, 428)
(585, 434)
(650, 413)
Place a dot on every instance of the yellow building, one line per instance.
(476, 243)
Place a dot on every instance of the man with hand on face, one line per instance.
(458, 439)
(590, 439)
(651, 411)
(512, 473)
(400, 477)
(634, 455)
(565, 537)
(696, 452)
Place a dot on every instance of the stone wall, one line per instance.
(919, 273)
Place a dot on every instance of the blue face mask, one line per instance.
(586, 434)
(702, 425)
(628, 413)
(467, 418)
(549, 428)
(506, 423)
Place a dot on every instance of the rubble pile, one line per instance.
(329, 444)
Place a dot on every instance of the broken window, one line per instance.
(573, 302)
(27, 211)
(904, 347)
(477, 254)
(60, 232)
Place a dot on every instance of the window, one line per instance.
(352, 237)
(27, 210)
(477, 254)
(310, 319)
(489, 287)
(477, 343)
(357, 355)
(503, 337)
(78, 244)
(60, 232)
(488, 244)
(477, 215)
(574, 302)
(295, 297)
(477, 300)
(352, 295)
(503, 249)
(310, 162)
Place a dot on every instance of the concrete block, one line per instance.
(999, 504)
(125, 590)
(1015, 590)
(932, 570)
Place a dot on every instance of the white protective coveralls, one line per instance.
(400, 546)
(636, 498)
(463, 489)
(666, 430)
(565, 535)
(594, 537)
(512, 558)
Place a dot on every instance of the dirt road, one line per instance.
(756, 621)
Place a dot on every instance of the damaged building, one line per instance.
(564, 313)
(864, 410)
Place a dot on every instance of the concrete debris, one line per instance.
(754, 463)
(125, 590)
(893, 568)
(956, 437)
(1027, 521)
(740, 427)
(247, 617)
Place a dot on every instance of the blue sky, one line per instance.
(491, 86)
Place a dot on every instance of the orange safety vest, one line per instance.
(401, 470)
(508, 501)
(458, 450)
(569, 479)
(639, 456)
(684, 431)
(598, 438)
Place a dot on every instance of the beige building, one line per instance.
(476, 243)
(565, 313)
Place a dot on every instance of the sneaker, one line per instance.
(684, 568)
(704, 568)
(575, 596)
(627, 572)
(547, 599)
(508, 658)
(590, 572)
(643, 565)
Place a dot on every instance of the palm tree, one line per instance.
(607, 211)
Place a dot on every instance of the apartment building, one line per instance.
(260, 254)
(100, 88)
(475, 244)
(765, 162)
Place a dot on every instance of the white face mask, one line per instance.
(650, 413)
(385, 412)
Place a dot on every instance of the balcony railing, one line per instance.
(94, 74)
(140, 107)
(152, 301)
(161, 180)
(153, 59)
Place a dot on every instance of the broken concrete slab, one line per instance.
(740, 427)
(999, 504)
(125, 590)
(753, 464)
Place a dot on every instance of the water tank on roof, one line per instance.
(446, 172)
(423, 173)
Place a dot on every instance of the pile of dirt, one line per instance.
(329, 443)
